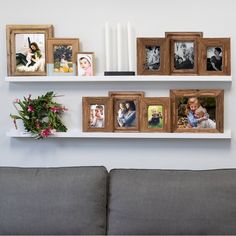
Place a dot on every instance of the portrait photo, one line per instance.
(155, 116)
(153, 59)
(85, 64)
(97, 116)
(214, 58)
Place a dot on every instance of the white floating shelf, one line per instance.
(138, 78)
(79, 134)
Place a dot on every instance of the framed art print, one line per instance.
(62, 56)
(214, 56)
(152, 57)
(97, 114)
(197, 110)
(26, 49)
(85, 64)
(155, 115)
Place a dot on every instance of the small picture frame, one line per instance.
(85, 64)
(183, 52)
(97, 114)
(214, 56)
(126, 108)
(62, 56)
(152, 56)
(155, 114)
(26, 49)
(197, 110)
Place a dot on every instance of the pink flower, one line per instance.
(17, 100)
(30, 108)
(55, 109)
(45, 132)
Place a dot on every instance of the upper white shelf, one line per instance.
(138, 78)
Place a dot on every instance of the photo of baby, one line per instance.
(85, 64)
(155, 116)
(97, 116)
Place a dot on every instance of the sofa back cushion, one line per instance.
(170, 202)
(52, 201)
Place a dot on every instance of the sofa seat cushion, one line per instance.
(53, 201)
(166, 202)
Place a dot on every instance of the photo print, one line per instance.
(214, 58)
(97, 116)
(153, 59)
(155, 116)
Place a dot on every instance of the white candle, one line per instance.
(107, 46)
(119, 47)
(129, 47)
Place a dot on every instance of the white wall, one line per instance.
(85, 19)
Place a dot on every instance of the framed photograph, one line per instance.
(184, 52)
(197, 110)
(214, 56)
(152, 56)
(85, 64)
(97, 114)
(62, 56)
(26, 49)
(155, 115)
(126, 108)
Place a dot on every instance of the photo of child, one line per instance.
(152, 58)
(97, 117)
(155, 116)
(85, 64)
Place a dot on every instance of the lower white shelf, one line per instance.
(104, 135)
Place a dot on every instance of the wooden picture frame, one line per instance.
(97, 114)
(62, 56)
(152, 56)
(214, 56)
(85, 64)
(126, 108)
(26, 49)
(183, 52)
(155, 114)
(197, 110)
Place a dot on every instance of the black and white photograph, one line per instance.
(152, 58)
(214, 59)
(183, 55)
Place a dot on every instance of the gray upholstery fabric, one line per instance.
(69, 200)
(172, 202)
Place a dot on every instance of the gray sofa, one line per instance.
(90, 201)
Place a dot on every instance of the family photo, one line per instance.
(155, 116)
(97, 116)
(30, 52)
(214, 59)
(85, 64)
(152, 61)
(183, 55)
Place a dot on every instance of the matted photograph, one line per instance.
(197, 110)
(85, 64)
(214, 56)
(27, 47)
(62, 56)
(155, 115)
(151, 54)
(97, 114)
(126, 108)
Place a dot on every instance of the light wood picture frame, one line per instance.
(27, 49)
(97, 114)
(62, 56)
(126, 108)
(152, 56)
(85, 64)
(197, 110)
(155, 114)
(214, 56)
(183, 52)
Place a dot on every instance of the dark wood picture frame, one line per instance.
(221, 43)
(164, 116)
(184, 37)
(142, 44)
(11, 32)
(122, 97)
(106, 102)
(218, 94)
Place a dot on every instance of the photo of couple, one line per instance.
(30, 52)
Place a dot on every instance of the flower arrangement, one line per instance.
(40, 116)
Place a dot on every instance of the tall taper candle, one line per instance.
(119, 62)
(129, 47)
(107, 46)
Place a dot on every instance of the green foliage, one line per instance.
(40, 116)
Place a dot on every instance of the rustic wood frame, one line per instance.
(141, 44)
(107, 102)
(11, 31)
(219, 96)
(214, 42)
(136, 96)
(163, 101)
(173, 37)
(93, 60)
